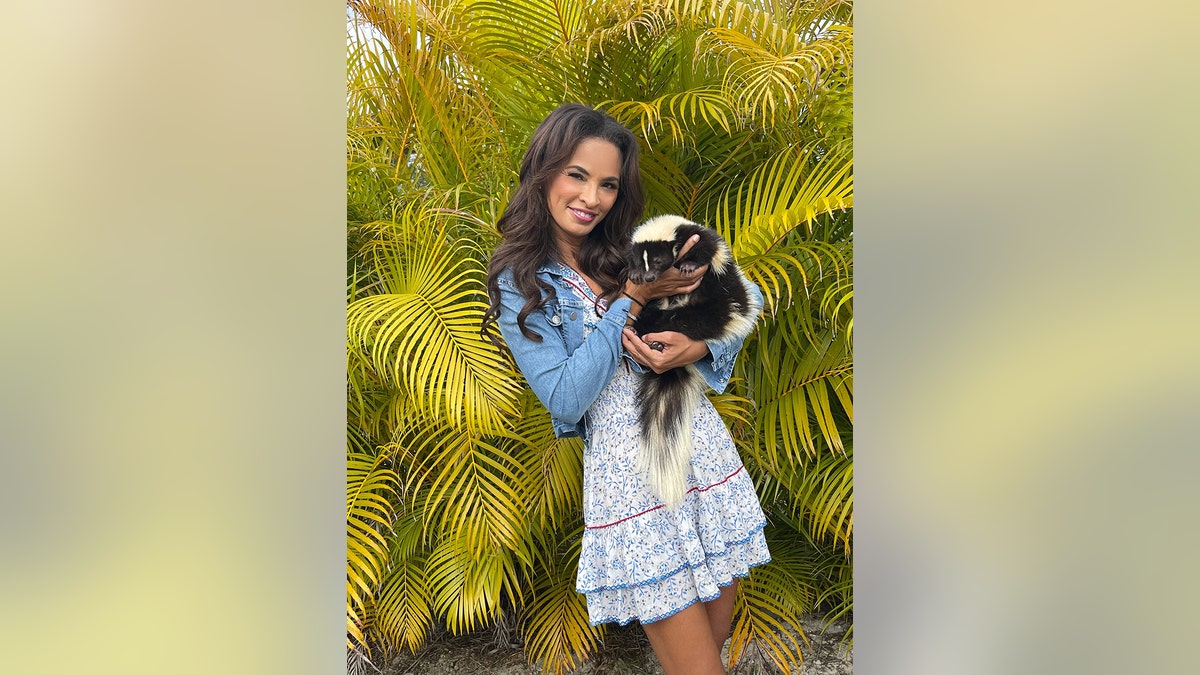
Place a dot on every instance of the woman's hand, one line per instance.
(672, 282)
(676, 350)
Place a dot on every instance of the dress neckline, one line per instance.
(574, 276)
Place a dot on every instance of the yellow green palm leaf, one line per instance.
(370, 488)
(422, 333)
(552, 468)
(466, 485)
(404, 614)
(558, 634)
(467, 583)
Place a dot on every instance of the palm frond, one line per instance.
(829, 486)
(772, 61)
(776, 72)
(558, 635)
(768, 220)
(370, 488)
(772, 599)
(770, 602)
(467, 487)
(737, 411)
(422, 334)
(403, 613)
(536, 48)
(796, 392)
(529, 30)
(358, 663)
(411, 86)
(839, 598)
(822, 496)
(675, 113)
(552, 468)
(467, 583)
(786, 193)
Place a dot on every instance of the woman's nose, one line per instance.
(590, 195)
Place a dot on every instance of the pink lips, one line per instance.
(585, 216)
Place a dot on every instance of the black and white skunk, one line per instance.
(719, 308)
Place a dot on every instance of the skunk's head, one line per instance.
(649, 259)
(655, 247)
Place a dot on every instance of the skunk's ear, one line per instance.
(675, 250)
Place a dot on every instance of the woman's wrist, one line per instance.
(636, 301)
(632, 316)
(636, 294)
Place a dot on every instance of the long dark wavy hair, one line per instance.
(528, 227)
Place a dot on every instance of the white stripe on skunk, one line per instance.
(719, 308)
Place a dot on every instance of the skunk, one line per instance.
(719, 308)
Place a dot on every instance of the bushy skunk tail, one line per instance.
(667, 407)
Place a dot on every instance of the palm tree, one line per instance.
(463, 509)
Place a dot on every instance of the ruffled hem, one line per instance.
(662, 598)
(710, 524)
(730, 547)
(627, 620)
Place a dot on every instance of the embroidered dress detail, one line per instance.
(641, 561)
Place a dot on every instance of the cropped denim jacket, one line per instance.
(568, 373)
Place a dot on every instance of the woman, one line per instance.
(560, 298)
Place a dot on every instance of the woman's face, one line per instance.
(584, 190)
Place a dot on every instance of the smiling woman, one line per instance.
(671, 566)
(582, 194)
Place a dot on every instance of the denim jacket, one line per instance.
(568, 373)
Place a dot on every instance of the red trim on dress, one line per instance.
(587, 293)
(601, 305)
(655, 508)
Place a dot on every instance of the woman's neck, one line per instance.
(569, 255)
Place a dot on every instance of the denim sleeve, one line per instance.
(718, 365)
(567, 384)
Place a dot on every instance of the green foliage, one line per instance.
(557, 633)
(370, 489)
(462, 506)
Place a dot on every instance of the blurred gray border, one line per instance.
(1026, 338)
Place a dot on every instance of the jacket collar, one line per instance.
(554, 268)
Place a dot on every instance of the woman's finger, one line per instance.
(687, 246)
(635, 347)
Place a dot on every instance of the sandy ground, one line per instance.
(625, 652)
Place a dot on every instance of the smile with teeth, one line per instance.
(585, 216)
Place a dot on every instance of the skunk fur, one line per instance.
(719, 308)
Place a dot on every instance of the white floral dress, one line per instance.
(639, 560)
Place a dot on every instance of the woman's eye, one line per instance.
(609, 186)
(576, 176)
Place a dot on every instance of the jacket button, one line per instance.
(555, 320)
(574, 315)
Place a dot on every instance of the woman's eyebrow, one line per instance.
(585, 172)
